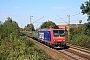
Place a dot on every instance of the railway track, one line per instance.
(87, 50)
(75, 55)
(72, 53)
(55, 55)
(79, 51)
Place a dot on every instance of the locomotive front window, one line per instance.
(58, 32)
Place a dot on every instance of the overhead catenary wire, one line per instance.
(67, 17)
(59, 17)
(56, 13)
(38, 19)
(75, 14)
(62, 19)
(60, 12)
(63, 10)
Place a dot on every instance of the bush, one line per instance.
(21, 48)
(15, 47)
(80, 36)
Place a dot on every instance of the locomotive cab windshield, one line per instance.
(58, 33)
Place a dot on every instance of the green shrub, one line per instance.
(81, 40)
(21, 48)
(29, 43)
(81, 36)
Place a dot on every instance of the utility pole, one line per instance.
(68, 28)
(30, 26)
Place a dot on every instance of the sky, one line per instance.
(42, 11)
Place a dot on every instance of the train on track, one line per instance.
(52, 36)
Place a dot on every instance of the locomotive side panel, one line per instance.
(47, 36)
(44, 36)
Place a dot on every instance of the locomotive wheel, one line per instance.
(52, 46)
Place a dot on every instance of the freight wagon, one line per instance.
(35, 34)
(27, 33)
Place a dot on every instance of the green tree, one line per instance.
(10, 27)
(27, 28)
(0, 22)
(86, 29)
(1, 30)
(86, 9)
(81, 36)
(48, 24)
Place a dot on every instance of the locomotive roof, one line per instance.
(44, 29)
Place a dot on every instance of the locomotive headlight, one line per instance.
(54, 40)
(63, 40)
